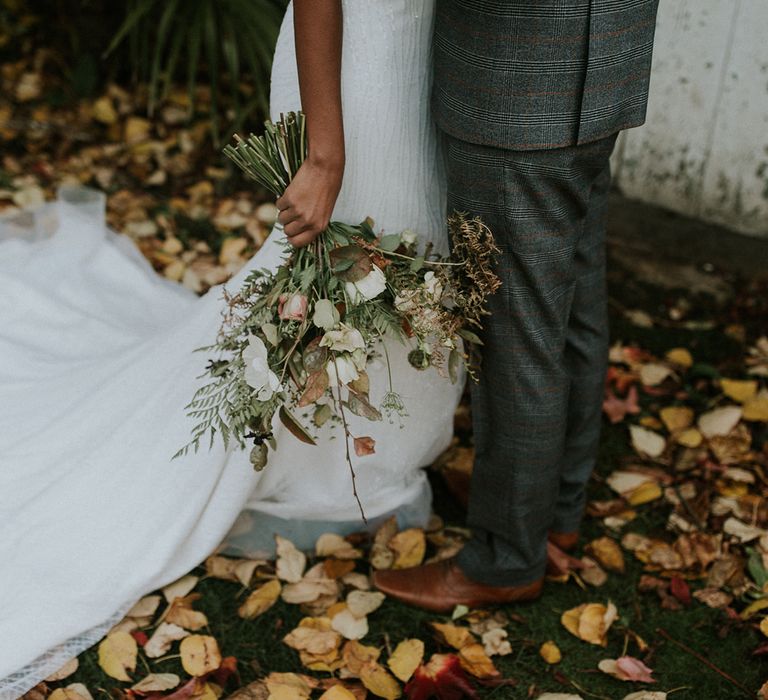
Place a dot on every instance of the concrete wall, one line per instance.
(704, 148)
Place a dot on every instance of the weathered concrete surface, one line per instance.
(644, 237)
(704, 148)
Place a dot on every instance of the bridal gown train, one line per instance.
(97, 363)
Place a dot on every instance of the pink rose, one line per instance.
(292, 307)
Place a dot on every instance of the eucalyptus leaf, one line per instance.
(470, 336)
(360, 406)
(390, 242)
(295, 427)
(355, 270)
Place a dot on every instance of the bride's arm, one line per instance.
(306, 206)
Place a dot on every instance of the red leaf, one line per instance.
(679, 588)
(140, 637)
(442, 678)
(364, 446)
(617, 408)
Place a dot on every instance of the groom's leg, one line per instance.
(537, 204)
(586, 360)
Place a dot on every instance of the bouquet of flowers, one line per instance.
(300, 337)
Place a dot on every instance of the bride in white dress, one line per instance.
(97, 364)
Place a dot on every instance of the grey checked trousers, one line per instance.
(537, 407)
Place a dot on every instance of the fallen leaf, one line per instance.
(627, 668)
(689, 438)
(607, 553)
(117, 655)
(617, 408)
(653, 374)
(309, 590)
(314, 635)
(74, 691)
(157, 682)
(496, 642)
(348, 625)
(260, 600)
(290, 561)
(406, 658)
(409, 547)
(227, 569)
(338, 692)
(713, 597)
(64, 672)
(362, 603)
(146, 607)
(199, 654)
(764, 626)
(676, 418)
(181, 587)
(590, 622)
(680, 356)
(452, 635)
(646, 695)
(162, 639)
(333, 545)
(550, 652)
(381, 556)
(756, 409)
(289, 686)
(180, 613)
(740, 390)
(647, 442)
(355, 655)
(379, 682)
(720, 421)
(474, 660)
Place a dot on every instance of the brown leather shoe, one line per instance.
(442, 586)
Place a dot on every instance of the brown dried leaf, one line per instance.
(290, 561)
(474, 660)
(117, 655)
(199, 654)
(162, 639)
(406, 658)
(379, 682)
(590, 622)
(260, 600)
(409, 547)
(607, 553)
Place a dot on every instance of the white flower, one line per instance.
(257, 372)
(373, 284)
(345, 366)
(432, 286)
(408, 237)
(345, 339)
(326, 315)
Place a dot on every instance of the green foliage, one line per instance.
(229, 43)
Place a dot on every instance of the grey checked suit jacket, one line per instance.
(538, 74)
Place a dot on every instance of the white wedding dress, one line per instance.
(97, 364)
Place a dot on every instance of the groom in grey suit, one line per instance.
(530, 97)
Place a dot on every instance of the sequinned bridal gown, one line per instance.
(97, 363)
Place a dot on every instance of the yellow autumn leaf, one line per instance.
(117, 655)
(452, 635)
(157, 682)
(646, 492)
(607, 553)
(260, 600)
(75, 691)
(181, 613)
(474, 660)
(680, 356)
(337, 692)
(290, 686)
(690, 438)
(355, 655)
(739, 389)
(379, 682)
(550, 652)
(752, 608)
(590, 622)
(199, 654)
(406, 658)
(764, 626)
(409, 547)
(676, 418)
(756, 409)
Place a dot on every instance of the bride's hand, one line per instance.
(307, 203)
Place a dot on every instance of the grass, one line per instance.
(727, 645)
